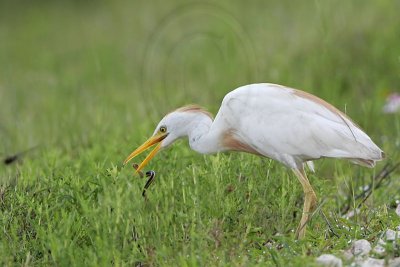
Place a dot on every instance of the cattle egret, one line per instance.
(274, 121)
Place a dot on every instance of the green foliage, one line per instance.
(87, 81)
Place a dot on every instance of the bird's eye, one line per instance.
(163, 129)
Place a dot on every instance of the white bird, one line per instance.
(274, 121)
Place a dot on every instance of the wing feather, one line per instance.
(292, 126)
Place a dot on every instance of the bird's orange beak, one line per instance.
(156, 139)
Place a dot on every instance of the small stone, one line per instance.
(351, 213)
(347, 255)
(381, 242)
(390, 235)
(398, 228)
(394, 262)
(361, 247)
(329, 260)
(398, 210)
(371, 262)
(379, 249)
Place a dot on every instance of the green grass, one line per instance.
(87, 82)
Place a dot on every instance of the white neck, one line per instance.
(202, 138)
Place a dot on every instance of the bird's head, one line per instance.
(173, 126)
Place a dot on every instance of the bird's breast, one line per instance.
(231, 141)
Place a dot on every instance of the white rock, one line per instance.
(398, 228)
(351, 213)
(394, 262)
(329, 260)
(361, 247)
(398, 210)
(390, 235)
(371, 262)
(380, 247)
(348, 255)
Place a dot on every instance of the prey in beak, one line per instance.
(154, 140)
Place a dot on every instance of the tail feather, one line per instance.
(370, 163)
(364, 162)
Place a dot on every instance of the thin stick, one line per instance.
(12, 158)
(380, 177)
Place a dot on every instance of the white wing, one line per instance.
(292, 126)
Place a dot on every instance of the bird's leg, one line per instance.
(310, 201)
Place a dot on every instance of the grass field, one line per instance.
(85, 83)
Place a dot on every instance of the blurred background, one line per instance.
(77, 73)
